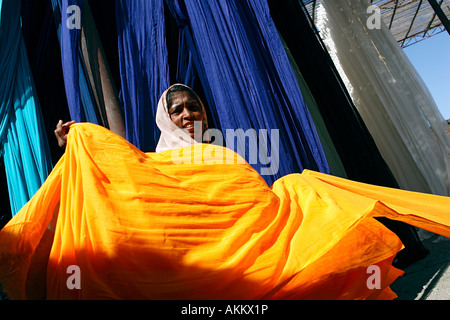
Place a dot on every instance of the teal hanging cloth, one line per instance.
(23, 141)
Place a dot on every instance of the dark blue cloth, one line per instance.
(234, 50)
(144, 67)
(247, 77)
(78, 90)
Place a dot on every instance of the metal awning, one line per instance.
(410, 21)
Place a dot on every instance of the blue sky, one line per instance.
(431, 58)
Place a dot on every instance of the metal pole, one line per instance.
(437, 8)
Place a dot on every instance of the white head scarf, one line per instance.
(171, 136)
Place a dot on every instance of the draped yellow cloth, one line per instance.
(139, 226)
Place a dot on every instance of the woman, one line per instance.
(112, 222)
(178, 110)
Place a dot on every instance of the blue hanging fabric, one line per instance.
(188, 60)
(23, 140)
(248, 79)
(143, 66)
(80, 99)
(244, 71)
(185, 64)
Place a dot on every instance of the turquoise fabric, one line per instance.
(23, 140)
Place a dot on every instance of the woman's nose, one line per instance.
(187, 114)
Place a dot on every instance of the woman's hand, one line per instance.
(61, 131)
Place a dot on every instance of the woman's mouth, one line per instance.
(189, 127)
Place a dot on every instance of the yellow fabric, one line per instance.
(140, 227)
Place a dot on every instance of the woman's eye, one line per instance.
(176, 111)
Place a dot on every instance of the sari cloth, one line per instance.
(140, 227)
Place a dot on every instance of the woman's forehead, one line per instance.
(181, 97)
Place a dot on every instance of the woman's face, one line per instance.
(184, 110)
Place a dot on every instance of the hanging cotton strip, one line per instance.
(143, 67)
(394, 102)
(333, 159)
(23, 141)
(67, 15)
(355, 146)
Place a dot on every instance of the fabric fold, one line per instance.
(140, 227)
